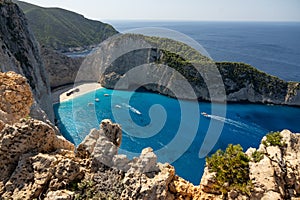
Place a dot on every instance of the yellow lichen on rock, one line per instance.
(183, 189)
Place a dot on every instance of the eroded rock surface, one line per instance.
(277, 175)
(15, 98)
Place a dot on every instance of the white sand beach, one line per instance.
(60, 94)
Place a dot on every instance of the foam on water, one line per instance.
(252, 126)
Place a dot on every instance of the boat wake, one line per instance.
(132, 108)
(237, 124)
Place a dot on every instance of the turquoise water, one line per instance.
(142, 121)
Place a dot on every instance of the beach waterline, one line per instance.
(61, 94)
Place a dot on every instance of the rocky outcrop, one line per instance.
(236, 82)
(62, 69)
(15, 98)
(245, 83)
(19, 52)
(275, 176)
(24, 153)
(37, 163)
(143, 177)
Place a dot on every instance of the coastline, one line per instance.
(60, 94)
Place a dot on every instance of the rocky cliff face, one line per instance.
(240, 82)
(62, 69)
(19, 52)
(245, 83)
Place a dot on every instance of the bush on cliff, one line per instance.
(273, 139)
(231, 168)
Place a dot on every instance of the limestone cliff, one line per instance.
(245, 83)
(62, 69)
(241, 82)
(19, 52)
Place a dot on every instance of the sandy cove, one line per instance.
(60, 94)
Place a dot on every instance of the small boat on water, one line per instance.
(97, 99)
(106, 95)
(135, 111)
(132, 108)
(204, 114)
(118, 106)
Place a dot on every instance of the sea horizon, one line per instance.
(271, 47)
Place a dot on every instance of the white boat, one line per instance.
(136, 111)
(106, 95)
(204, 114)
(97, 99)
(118, 106)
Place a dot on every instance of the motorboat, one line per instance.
(204, 114)
(118, 106)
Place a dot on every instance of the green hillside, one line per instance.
(60, 29)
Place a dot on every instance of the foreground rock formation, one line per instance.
(38, 164)
(19, 52)
(15, 98)
(275, 176)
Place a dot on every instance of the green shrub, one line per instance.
(232, 169)
(257, 156)
(273, 139)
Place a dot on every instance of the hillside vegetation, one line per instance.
(242, 82)
(60, 29)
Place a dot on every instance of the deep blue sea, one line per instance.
(176, 129)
